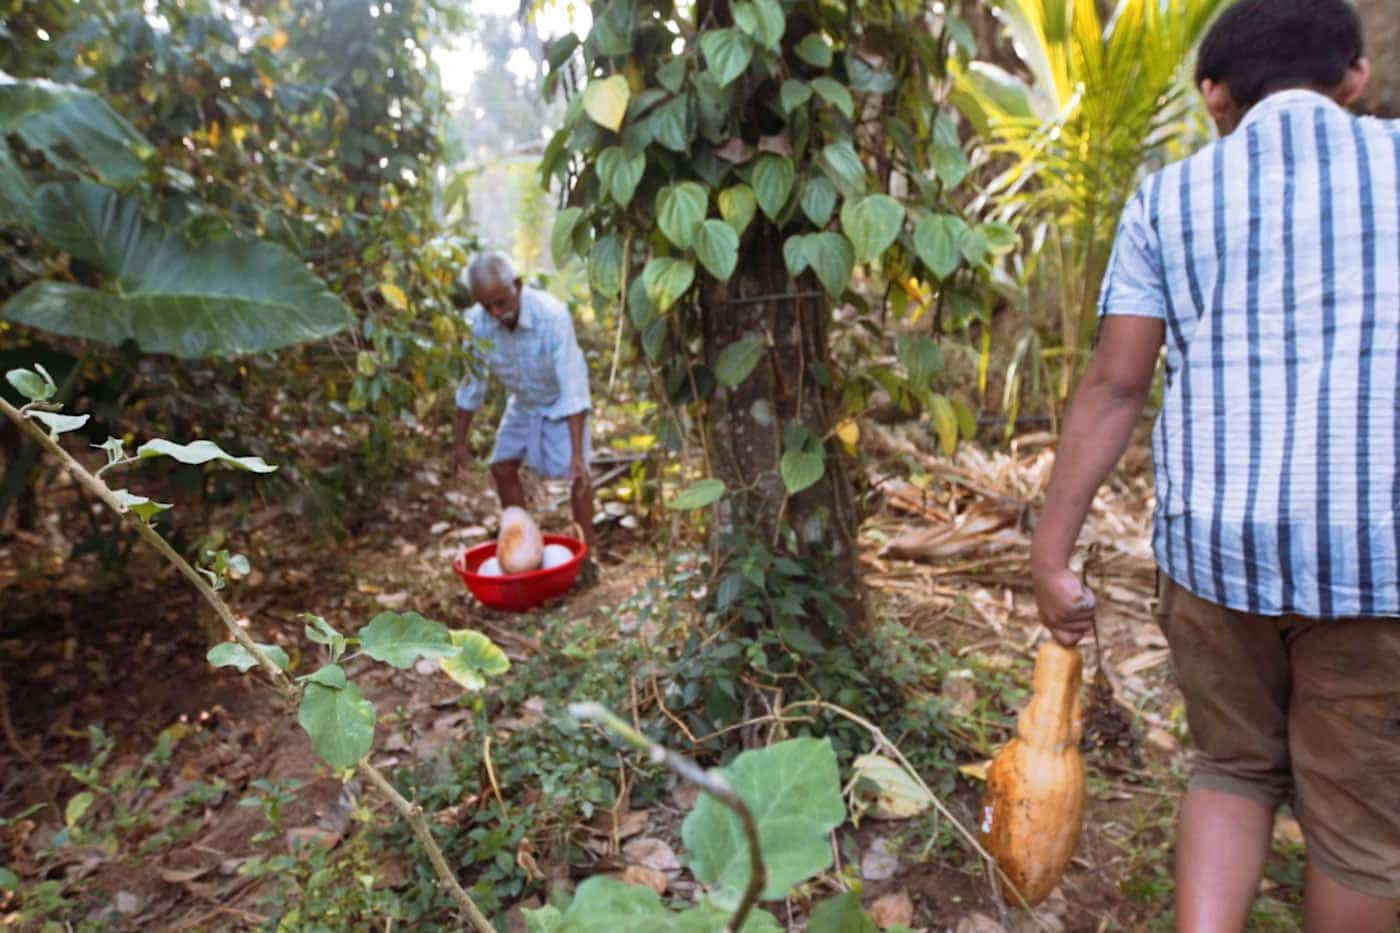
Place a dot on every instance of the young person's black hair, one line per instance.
(1258, 47)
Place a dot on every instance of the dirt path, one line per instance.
(128, 654)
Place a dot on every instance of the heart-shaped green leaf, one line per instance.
(679, 210)
(698, 495)
(872, 224)
(936, 242)
(737, 206)
(818, 200)
(339, 721)
(772, 180)
(666, 279)
(401, 638)
(737, 361)
(619, 174)
(727, 53)
(232, 654)
(717, 247)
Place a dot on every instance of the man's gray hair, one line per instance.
(490, 268)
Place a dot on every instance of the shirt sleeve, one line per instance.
(571, 371)
(471, 391)
(1133, 283)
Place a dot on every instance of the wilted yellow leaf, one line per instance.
(289, 199)
(848, 432)
(214, 134)
(277, 41)
(394, 295)
(977, 770)
(605, 100)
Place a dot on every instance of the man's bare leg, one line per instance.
(1220, 857)
(506, 474)
(1331, 907)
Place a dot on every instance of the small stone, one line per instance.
(438, 528)
(892, 910)
(128, 903)
(879, 863)
(426, 666)
(651, 853)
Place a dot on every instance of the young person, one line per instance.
(1269, 265)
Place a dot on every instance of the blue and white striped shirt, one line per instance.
(539, 362)
(1273, 256)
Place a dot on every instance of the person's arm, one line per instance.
(578, 466)
(1100, 423)
(461, 429)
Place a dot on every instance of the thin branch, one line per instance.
(281, 682)
(711, 782)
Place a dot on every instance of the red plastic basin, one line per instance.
(521, 591)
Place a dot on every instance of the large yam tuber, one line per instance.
(1034, 805)
(519, 546)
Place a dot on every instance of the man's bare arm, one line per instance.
(1106, 406)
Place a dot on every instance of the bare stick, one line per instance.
(282, 683)
(711, 782)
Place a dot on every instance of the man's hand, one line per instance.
(580, 482)
(1066, 605)
(461, 457)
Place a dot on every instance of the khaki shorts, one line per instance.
(1283, 708)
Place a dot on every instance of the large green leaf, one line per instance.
(561, 237)
(937, 242)
(831, 257)
(619, 174)
(727, 52)
(872, 223)
(64, 120)
(737, 361)
(671, 124)
(737, 206)
(232, 654)
(339, 720)
(818, 199)
(606, 905)
(801, 469)
(605, 265)
(794, 793)
(717, 247)
(698, 495)
(814, 50)
(836, 94)
(679, 210)
(474, 658)
(920, 357)
(773, 176)
(761, 19)
(219, 298)
(197, 452)
(845, 168)
(666, 279)
(401, 638)
(794, 94)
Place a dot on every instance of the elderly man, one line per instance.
(525, 338)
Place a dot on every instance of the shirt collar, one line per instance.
(527, 311)
(1282, 100)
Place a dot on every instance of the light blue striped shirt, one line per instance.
(1273, 256)
(539, 362)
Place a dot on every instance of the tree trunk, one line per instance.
(746, 423)
(1382, 43)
